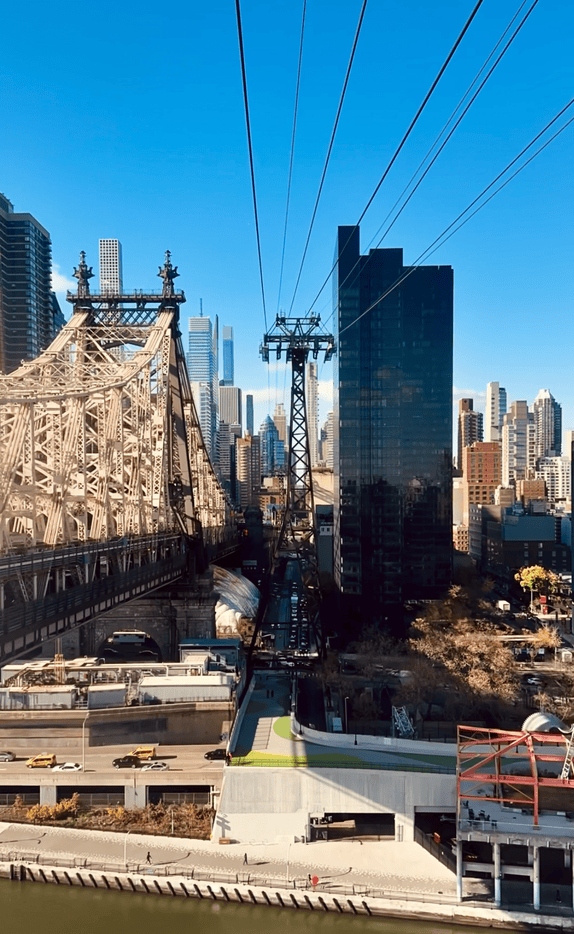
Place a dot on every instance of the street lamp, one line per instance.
(84, 742)
(346, 715)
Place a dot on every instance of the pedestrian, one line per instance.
(148, 857)
(558, 897)
(245, 859)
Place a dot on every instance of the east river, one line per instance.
(31, 908)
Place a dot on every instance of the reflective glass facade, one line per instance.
(392, 431)
(30, 316)
(228, 369)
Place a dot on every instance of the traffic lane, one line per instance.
(178, 758)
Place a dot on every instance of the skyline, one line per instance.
(156, 156)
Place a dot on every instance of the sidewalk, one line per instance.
(390, 866)
(397, 879)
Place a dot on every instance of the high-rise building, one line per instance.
(327, 441)
(111, 274)
(280, 419)
(392, 430)
(481, 474)
(30, 316)
(227, 435)
(229, 428)
(230, 405)
(202, 368)
(228, 367)
(248, 470)
(557, 475)
(272, 448)
(495, 411)
(469, 428)
(518, 444)
(312, 403)
(548, 424)
(249, 414)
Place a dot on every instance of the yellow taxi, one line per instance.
(143, 752)
(45, 760)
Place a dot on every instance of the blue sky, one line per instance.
(126, 120)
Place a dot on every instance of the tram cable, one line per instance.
(250, 148)
(442, 239)
(290, 174)
(330, 148)
(451, 132)
(406, 135)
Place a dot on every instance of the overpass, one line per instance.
(107, 491)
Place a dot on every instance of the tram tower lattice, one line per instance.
(298, 338)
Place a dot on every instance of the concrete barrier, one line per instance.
(277, 896)
(351, 741)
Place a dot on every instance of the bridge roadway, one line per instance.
(88, 580)
(51, 591)
(186, 767)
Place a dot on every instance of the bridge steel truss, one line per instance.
(100, 441)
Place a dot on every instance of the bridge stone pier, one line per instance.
(169, 615)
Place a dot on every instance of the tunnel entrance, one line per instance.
(353, 826)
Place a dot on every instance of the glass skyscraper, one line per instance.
(392, 434)
(30, 316)
(249, 414)
(202, 368)
(272, 448)
(228, 374)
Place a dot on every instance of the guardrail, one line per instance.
(318, 761)
(438, 850)
(302, 882)
(253, 889)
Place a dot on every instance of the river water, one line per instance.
(31, 908)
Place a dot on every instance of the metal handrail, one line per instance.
(309, 762)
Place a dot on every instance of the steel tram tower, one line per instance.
(298, 337)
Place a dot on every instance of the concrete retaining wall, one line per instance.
(284, 799)
(168, 724)
(388, 743)
(281, 897)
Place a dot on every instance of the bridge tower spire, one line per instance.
(168, 273)
(83, 273)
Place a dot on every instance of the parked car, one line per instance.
(215, 754)
(127, 762)
(45, 760)
(68, 767)
(6, 756)
(155, 766)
